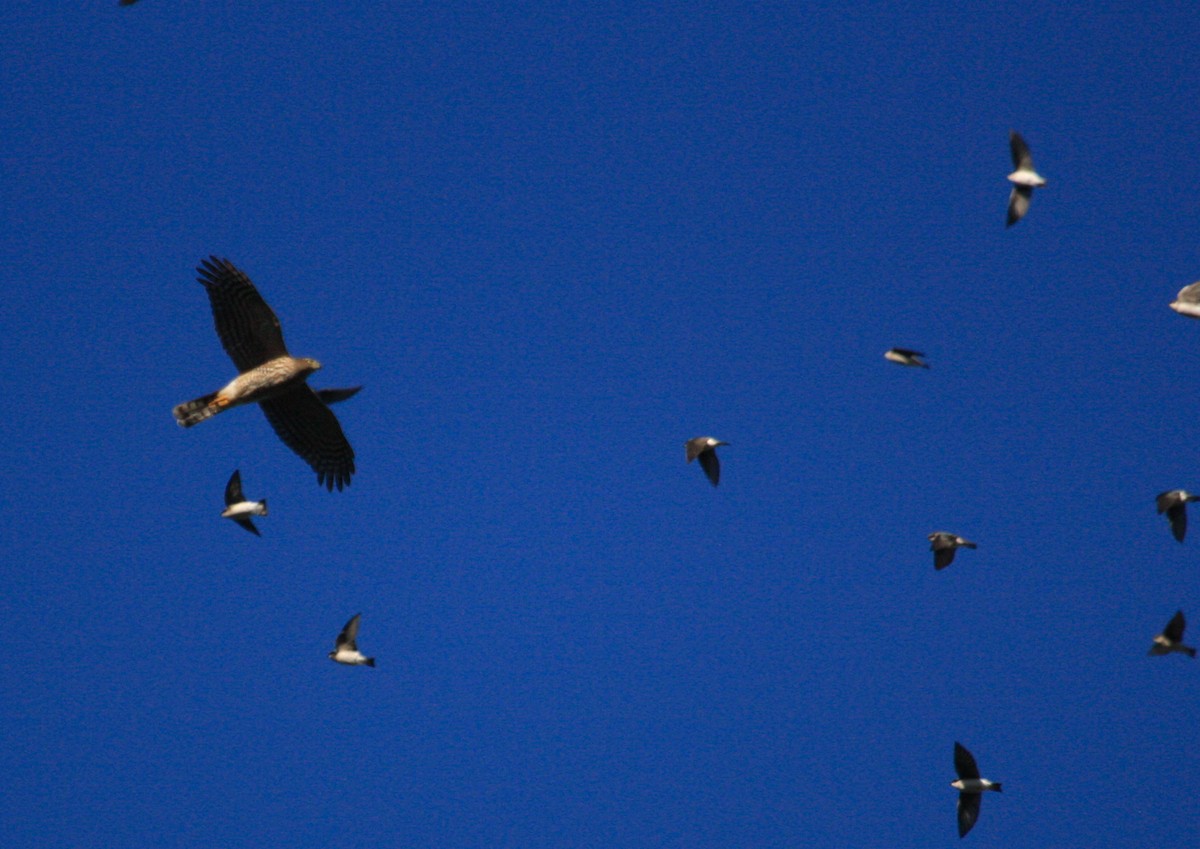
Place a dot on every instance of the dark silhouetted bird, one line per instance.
(970, 788)
(1173, 502)
(1024, 179)
(238, 508)
(1171, 639)
(943, 545)
(703, 448)
(345, 649)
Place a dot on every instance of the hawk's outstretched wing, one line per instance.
(309, 427)
(249, 330)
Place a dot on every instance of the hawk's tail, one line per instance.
(193, 412)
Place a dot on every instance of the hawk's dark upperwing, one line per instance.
(249, 330)
(309, 427)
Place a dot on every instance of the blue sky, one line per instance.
(554, 241)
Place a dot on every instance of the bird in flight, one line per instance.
(238, 508)
(1173, 502)
(943, 545)
(1023, 178)
(345, 648)
(970, 788)
(906, 357)
(703, 448)
(1171, 639)
(269, 376)
(1187, 302)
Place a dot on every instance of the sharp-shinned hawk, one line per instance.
(268, 376)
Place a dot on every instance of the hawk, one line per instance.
(268, 376)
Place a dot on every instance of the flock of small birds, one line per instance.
(270, 377)
(944, 545)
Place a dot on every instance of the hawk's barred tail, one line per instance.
(193, 412)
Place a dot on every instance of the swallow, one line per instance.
(238, 508)
(970, 788)
(943, 545)
(703, 448)
(1187, 302)
(1171, 639)
(1173, 502)
(1024, 179)
(345, 648)
(906, 357)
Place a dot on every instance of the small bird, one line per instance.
(906, 357)
(1171, 639)
(943, 545)
(332, 396)
(346, 647)
(238, 508)
(1187, 302)
(703, 448)
(1173, 502)
(1024, 178)
(970, 788)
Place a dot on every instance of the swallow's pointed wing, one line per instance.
(233, 489)
(1021, 157)
(1177, 514)
(1174, 629)
(968, 811)
(964, 762)
(1018, 204)
(943, 551)
(711, 466)
(347, 639)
